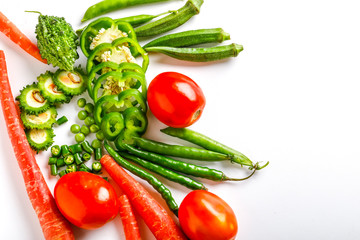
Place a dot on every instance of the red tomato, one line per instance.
(205, 216)
(175, 99)
(86, 200)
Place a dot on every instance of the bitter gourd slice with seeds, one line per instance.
(49, 90)
(40, 139)
(31, 100)
(71, 82)
(40, 121)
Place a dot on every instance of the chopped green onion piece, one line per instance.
(61, 120)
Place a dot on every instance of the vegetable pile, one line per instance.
(115, 110)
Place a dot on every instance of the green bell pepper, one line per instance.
(103, 30)
(114, 52)
(112, 124)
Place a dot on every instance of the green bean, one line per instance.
(166, 173)
(190, 38)
(62, 120)
(207, 143)
(55, 151)
(152, 180)
(75, 148)
(65, 150)
(180, 166)
(169, 22)
(107, 6)
(141, 19)
(180, 151)
(87, 147)
(206, 54)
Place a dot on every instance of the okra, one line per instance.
(199, 54)
(190, 38)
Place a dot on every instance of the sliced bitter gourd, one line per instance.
(71, 82)
(40, 121)
(49, 90)
(40, 139)
(31, 100)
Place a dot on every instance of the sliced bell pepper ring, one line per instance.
(110, 66)
(120, 82)
(95, 28)
(118, 103)
(109, 49)
(135, 126)
(112, 124)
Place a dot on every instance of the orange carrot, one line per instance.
(154, 215)
(19, 38)
(128, 219)
(53, 224)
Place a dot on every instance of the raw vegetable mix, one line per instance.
(109, 133)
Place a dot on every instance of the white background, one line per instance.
(291, 98)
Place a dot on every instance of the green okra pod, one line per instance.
(171, 21)
(206, 54)
(190, 38)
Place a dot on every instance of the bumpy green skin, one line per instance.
(44, 145)
(46, 124)
(49, 95)
(25, 106)
(70, 90)
(57, 41)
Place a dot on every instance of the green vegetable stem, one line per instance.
(206, 54)
(107, 6)
(171, 21)
(151, 179)
(190, 38)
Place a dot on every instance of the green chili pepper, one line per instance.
(87, 147)
(190, 38)
(126, 80)
(112, 49)
(98, 153)
(110, 66)
(84, 168)
(180, 151)
(126, 99)
(180, 166)
(141, 19)
(86, 156)
(157, 184)
(112, 124)
(61, 120)
(69, 159)
(174, 20)
(55, 151)
(53, 170)
(75, 148)
(107, 6)
(206, 54)
(92, 35)
(62, 173)
(71, 168)
(210, 144)
(60, 162)
(52, 160)
(78, 159)
(65, 150)
(96, 167)
(166, 173)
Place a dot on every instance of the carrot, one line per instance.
(128, 219)
(53, 224)
(19, 38)
(154, 215)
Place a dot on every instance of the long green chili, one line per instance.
(152, 180)
(107, 6)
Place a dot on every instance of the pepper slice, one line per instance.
(115, 82)
(102, 30)
(112, 124)
(105, 67)
(135, 126)
(118, 103)
(116, 52)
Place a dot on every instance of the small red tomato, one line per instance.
(205, 216)
(87, 200)
(175, 99)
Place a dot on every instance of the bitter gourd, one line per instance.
(71, 82)
(40, 121)
(49, 90)
(40, 139)
(31, 100)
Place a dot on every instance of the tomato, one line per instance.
(87, 200)
(175, 99)
(205, 216)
